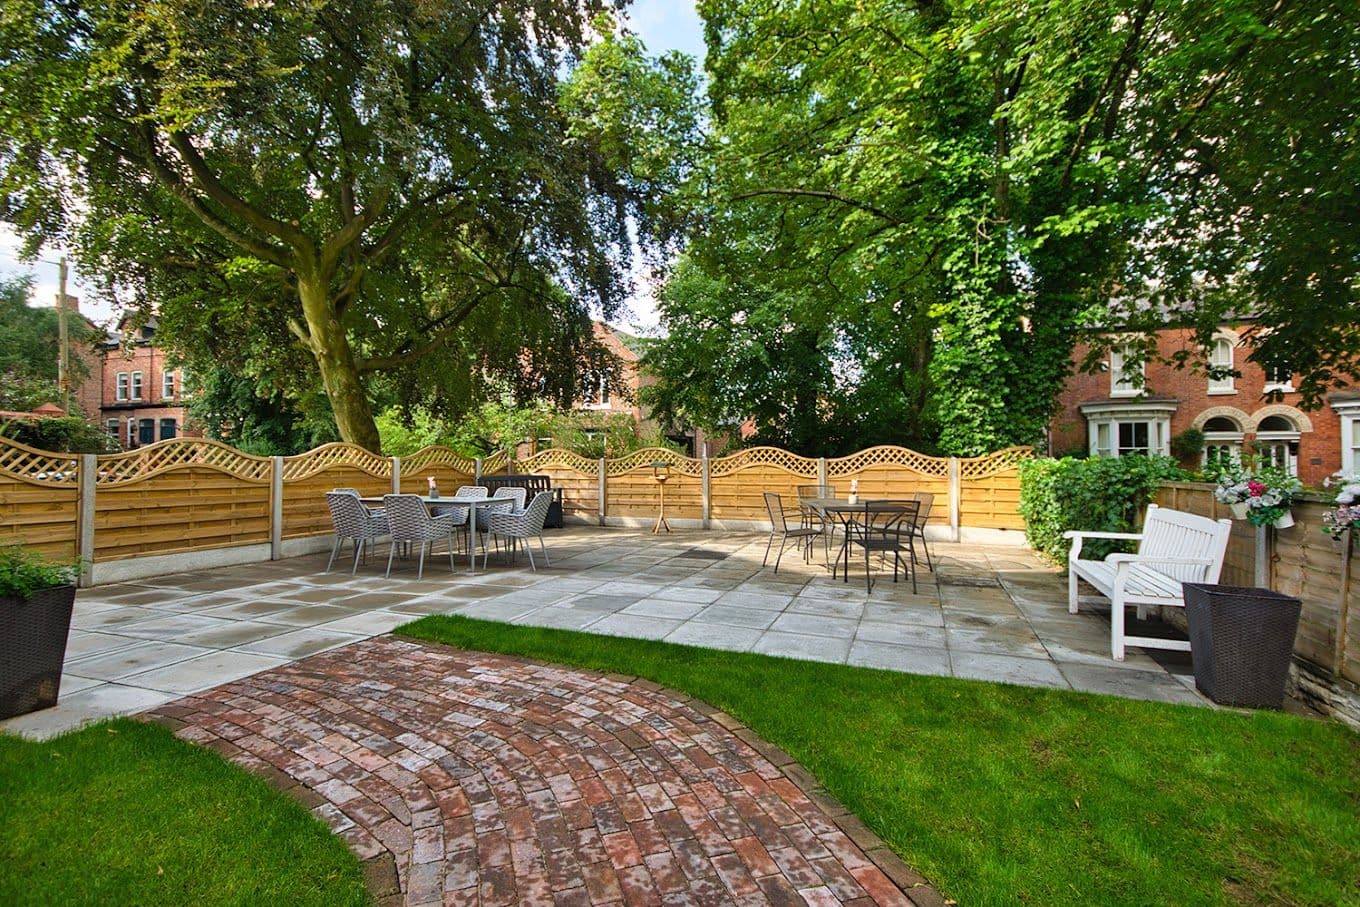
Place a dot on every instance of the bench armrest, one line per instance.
(1082, 534)
(1119, 559)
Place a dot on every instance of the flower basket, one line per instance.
(1241, 640)
(1284, 521)
(1239, 510)
(33, 633)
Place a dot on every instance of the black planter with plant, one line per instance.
(36, 599)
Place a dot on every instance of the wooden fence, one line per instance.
(1302, 561)
(196, 497)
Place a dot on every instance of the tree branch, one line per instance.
(825, 195)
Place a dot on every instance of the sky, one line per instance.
(661, 24)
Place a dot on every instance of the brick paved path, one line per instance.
(463, 778)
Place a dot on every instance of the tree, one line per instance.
(30, 347)
(376, 198)
(983, 177)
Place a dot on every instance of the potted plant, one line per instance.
(36, 598)
(1262, 496)
(1345, 512)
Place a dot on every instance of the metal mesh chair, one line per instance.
(409, 521)
(883, 526)
(811, 517)
(353, 521)
(526, 524)
(779, 526)
(926, 500)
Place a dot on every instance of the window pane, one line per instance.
(146, 431)
(167, 429)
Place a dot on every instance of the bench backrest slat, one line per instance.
(1173, 533)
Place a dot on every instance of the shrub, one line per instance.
(63, 434)
(1188, 445)
(1097, 494)
(24, 572)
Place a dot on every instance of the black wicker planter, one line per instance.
(32, 647)
(1242, 640)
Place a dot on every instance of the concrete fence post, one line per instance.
(396, 475)
(955, 499)
(88, 477)
(276, 510)
(603, 489)
(821, 470)
(706, 490)
(477, 471)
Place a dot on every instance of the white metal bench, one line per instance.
(1173, 548)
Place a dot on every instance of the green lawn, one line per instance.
(124, 813)
(1004, 795)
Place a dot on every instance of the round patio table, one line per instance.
(875, 525)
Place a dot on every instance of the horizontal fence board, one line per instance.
(637, 494)
(448, 479)
(304, 501)
(184, 508)
(43, 518)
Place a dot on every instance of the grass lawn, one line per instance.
(124, 813)
(1003, 795)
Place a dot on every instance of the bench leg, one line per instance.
(1117, 630)
(1071, 591)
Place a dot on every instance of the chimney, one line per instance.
(72, 303)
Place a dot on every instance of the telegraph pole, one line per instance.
(64, 354)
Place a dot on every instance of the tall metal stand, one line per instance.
(661, 508)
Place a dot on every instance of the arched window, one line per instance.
(1277, 443)
(1222, 441)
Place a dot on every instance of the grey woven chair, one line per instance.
(779, 526)
(353, 521)
(409, 521)
(518, 496)
(472, 491)
(527, 524)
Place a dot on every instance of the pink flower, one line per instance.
(1256, 488)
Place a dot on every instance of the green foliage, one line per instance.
(123, 812)
(1098, 494)
(23, 572)
(29, 348)
(256, 418)
(361, 199)
(1187, 445)
(65, 434)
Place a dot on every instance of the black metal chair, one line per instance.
(881, 526)
(927, 500)
(779, 526)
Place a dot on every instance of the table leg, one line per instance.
(472, 537)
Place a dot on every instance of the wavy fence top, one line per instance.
(40, 467)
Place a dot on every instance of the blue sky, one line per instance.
(661, 24)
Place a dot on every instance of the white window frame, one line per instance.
(1349, 413)
(131, 433)
(1230, 442)
(1279, 448)
(1275, 385)
(136, 388)
(1103, 422)
(121, 384)
(1119, 386)
(1222, 357)
(111, 426)
(168, 384)
(598, 396)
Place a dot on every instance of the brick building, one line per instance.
(1111, 413)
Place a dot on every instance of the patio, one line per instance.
(988, 613)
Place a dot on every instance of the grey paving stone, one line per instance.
(110, 618)
(920, 615)
(84, 643)
(171, 627)
(911, 659)
(300, 643)
(204, 671)
(715, 636)
(305, 615)
(1016, 641)
(559, 618)
(369, 623)
(90, 704)
(660, 607)
(634, 626)
(133, 660)
(236, 633)
(1152, 685)
(605, 604)
(899, 634)
(733, 616)
(688, 594)
(827, 607)
(1034, 672)
(762, 600)
(801, 646)
(815, 625)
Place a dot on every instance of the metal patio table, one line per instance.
(471, 504)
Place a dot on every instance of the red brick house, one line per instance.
(1109, 414)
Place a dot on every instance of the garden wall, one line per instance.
(1302, 561)
(185, 504)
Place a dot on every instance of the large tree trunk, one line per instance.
(339, 371)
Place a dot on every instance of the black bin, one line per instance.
(1242, 640)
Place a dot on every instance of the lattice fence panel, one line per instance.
(680, 465)
(991, 502)
(495, 464)
(304, 500)
(447, 477)
(335, 456)
(557, 459)
(39, 515)
(887, 455)
(637, 495)
(740, 495)
(438, 455)
(1001, 461)
(763, 458)
(180, 508)
(180, 453)
(38, 467)
(894, 482)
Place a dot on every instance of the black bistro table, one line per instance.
(881, 525)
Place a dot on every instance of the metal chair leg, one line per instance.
(529, 550)
(766, 558)
(420, 571)
(334, 548)
(391, 550)
(358, 550)
(544, 547)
